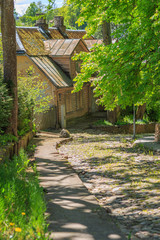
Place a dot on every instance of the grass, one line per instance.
(123, 121)
(22, 205)
(103, 122)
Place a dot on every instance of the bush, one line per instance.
(5, 105)
(32, 99)
(153, 111)
(7, 138)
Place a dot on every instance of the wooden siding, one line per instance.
(76, 104)
(81, 47)
(63, 62)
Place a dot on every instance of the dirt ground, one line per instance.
(125, 179)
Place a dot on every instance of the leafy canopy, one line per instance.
(128, 71)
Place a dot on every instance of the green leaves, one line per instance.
(128, 71)
(33, 97)
(6, 103)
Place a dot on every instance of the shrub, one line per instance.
(32, 99)
(5, 105)
(153, 110)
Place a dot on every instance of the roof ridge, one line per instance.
(19, 42)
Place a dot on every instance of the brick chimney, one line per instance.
(41, 22)
(59, 23)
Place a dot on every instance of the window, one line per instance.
(78, 66)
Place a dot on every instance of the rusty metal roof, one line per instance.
(77, 34)
(32, 40)
(53, 72)
(55, 33)
(90, 43)
(62, 47)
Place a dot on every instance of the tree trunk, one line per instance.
(9, 57)
(112, 116)
(140, 111)
(106, 32)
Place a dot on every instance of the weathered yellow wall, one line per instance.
(45, 120)
(24, 62)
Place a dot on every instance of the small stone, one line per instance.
(64, 133)
(143, 235)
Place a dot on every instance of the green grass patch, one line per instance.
(123, 121)
(103, 123)
(22, 205)
(129, 120)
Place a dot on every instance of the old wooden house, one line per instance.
(50, 52)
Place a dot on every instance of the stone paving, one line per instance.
(73, 213)
(124, 178)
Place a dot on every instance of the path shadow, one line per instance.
(73, 212)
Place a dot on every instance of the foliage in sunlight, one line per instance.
(128, 71)
(5, 105)
(32, 98)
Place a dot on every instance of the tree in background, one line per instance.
(50, 10)
(128, 70)
(29, 18)
(9, 58)
(70, 12)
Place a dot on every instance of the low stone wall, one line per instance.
(128, 129)
(7, 152)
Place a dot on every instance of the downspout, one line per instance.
(57, 112)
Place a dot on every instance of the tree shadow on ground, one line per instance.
(136, 181)
(73, 213)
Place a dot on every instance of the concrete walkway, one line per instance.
(74, 214)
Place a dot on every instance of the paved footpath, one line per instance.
(74, 214)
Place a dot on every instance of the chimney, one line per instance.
(41, 22)
(59, 23)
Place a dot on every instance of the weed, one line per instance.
(22, 205)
